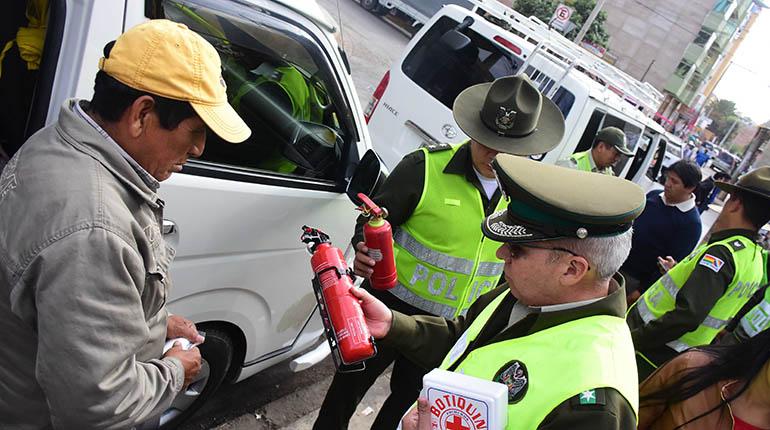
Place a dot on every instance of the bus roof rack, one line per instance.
(559, 49)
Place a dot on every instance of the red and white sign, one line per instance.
(561, 16)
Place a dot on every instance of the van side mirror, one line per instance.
(368, 177)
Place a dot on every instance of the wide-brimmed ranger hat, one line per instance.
(167, 59)
(756, 182)
(614, 136)
(509, 115)
(548, 202)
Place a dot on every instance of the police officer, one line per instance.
(555, 332)
(697, 297)
(436, 198)
(609, 145)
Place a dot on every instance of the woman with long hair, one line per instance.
(714, 387)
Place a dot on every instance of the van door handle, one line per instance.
(422, 134)
(168, 227)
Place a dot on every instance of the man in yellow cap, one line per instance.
(84, 277)
(609, 145)
(436, 198)
(555, 333)
(696, 299)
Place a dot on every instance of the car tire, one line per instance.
(217, 354)
(372, 6)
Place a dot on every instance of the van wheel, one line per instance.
(217, 353)
(372, 6)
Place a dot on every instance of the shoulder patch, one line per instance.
(515, 376)
(712, 262)
(589, 398)
(436, 147)
(737, 245)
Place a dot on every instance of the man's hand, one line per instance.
(665, 264)
(377, 316)
(363, 265)
(191, 360)
(178, 326)
(417, 418)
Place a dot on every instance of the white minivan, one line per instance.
(458, 48)
(235, 215)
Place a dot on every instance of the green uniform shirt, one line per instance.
(426, 340)
(694, 300)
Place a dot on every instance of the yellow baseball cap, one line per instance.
(167, 59)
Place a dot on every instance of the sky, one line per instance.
(747, 80)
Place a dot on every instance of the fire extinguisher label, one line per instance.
(376, 254)
(356, 331)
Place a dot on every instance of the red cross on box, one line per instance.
(456, 424)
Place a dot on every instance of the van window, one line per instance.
(563, 98)
(279, 81)
(444, 72)
(20, 69)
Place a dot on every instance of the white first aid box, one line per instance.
(458, 401)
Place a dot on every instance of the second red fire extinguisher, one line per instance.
(378, 237)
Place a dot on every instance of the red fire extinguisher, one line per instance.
(378, 237)
(346, 330)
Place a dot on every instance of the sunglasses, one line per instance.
(518, 250)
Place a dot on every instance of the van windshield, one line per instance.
(445, 71)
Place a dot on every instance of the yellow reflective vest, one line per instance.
(443, 260)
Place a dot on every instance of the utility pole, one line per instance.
(760, 138)
(589, 21)
(724, 138)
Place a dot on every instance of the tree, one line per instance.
(543, 9)
(723, 115)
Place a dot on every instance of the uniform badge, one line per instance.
(515, 376)
(505, 118)
(712, 262)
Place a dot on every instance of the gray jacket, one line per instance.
(83, 286)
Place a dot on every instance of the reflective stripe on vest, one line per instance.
(757, 319)
(443, 260)
(596, 351)
(660, 298)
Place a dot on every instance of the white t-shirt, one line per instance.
(489, 184)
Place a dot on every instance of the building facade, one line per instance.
(680, 47)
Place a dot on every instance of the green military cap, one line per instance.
(615, 137)
(549, 202)
(756, 182)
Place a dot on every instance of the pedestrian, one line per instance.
(669, 228)
(84, 278)
(609, 145)
(702, 156)
(436, 198)
(706, 192)
(554, 333)
(698, 296)
(722, 387)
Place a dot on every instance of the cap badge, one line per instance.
(516, 378)
(581, 233)
(505, 119)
